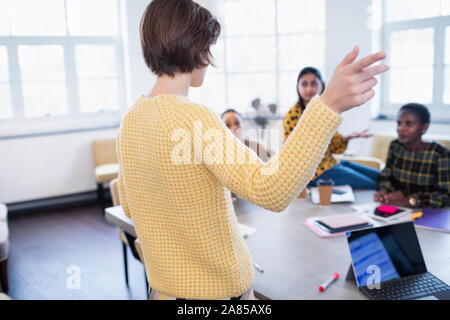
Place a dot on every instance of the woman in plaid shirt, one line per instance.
(417, 173)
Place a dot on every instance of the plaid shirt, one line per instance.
(424, 175)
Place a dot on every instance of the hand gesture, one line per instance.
(352, 82)
(364, 134)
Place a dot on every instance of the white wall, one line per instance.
(48, 166)
(346, 27)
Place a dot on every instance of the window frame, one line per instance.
(74, 119)
(277, 70)
(440, 110)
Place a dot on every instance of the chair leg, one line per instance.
(125, 262)
(4, 275)
(101, 196)
(146, 284)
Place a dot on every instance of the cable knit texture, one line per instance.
(182, 211)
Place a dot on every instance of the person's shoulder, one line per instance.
(295, 110)
(439, 149)
(395, 144)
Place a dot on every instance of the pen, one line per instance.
(258, 267)
(327, 283)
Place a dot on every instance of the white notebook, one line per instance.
(348, 196)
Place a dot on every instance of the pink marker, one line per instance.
(327, 283)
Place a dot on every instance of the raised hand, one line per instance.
(352, 82)
(364, 134)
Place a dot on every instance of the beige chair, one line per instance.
(380, 148)
(135, 247)
(106, 165)
(4, 247)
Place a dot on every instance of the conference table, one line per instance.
(295, 261)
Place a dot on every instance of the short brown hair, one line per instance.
(176, 36)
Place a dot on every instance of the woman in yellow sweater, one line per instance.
(178, 161)
(310, 84)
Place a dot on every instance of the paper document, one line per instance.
(348, 196)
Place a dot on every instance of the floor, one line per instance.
(70, 254)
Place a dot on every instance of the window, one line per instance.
(5, 87)
(263, 46)
(57, 58)
(416, 39)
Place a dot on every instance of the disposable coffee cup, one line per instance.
(325, 187)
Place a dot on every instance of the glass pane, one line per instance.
(95, 61)
(288, 91)
(45, 98)
(445, 7)
(400, 10)
(301, 15)
(244, 88)
(218, 54)
(300, 51)
(41, 63)
(411, 85)
(37, 18)
(5, 101)
(412, 47)
(447, 46)
(92, 17)
(447, 86)
(249, 17)
(4, 71)
(211, 93)
(98, 95)
(4, 18)
(251, 54)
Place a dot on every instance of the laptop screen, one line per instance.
(385, 253)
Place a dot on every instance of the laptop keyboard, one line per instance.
(408, 288)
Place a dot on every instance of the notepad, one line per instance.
(342, 223)
(337, 224)
(435, 219)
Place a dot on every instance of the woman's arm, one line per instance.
(272, 185)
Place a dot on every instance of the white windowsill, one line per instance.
(59, 124)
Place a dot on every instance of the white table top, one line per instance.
(296, 261)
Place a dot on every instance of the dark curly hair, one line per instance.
(420, 110)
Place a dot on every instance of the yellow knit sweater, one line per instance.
(182, 212)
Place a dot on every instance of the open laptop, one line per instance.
(388, 265)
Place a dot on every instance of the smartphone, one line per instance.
(385, 211)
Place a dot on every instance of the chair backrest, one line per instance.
(104, 152)
(380, 144)
(114, 189)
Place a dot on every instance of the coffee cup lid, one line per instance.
(325, 182)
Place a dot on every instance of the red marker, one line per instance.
(327, 283)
